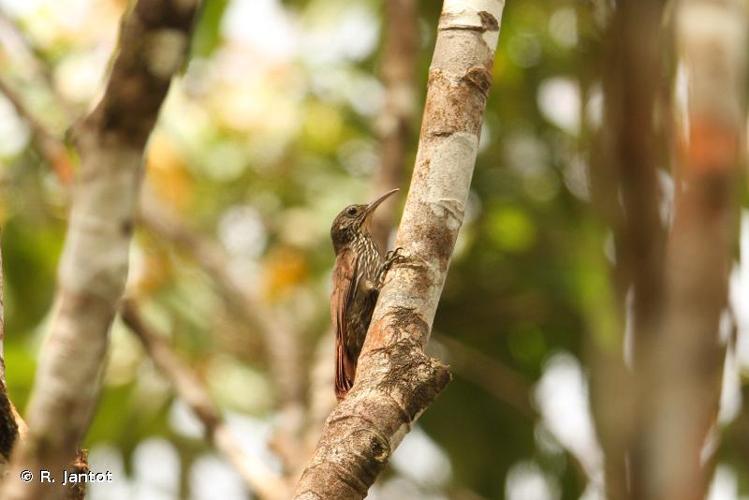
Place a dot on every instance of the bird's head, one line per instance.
(351, 221)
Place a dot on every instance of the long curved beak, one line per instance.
(372, 206)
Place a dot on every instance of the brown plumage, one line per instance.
(357, 279)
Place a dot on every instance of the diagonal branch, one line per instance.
(279, 338)
(34, 56)
(51, 148)
(501, 381)
(153, 43)
(190, 389)
(396, 381)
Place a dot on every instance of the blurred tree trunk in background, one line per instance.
(626, 187)
(689, 353)
(152, 47)
(657, 377)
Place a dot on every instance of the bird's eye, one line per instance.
(351, 211)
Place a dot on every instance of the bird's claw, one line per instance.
(393, 256)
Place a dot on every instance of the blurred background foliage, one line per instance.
(267, 134)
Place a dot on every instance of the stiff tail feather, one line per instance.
(345, 369)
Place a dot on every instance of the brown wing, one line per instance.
(344, 287)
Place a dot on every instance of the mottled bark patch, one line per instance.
(400, 323)
(456, 21)
(488, 21)
(413, 377)
(455, 106)
(440, 239)
(375, 443)
(480, 78)
(77, 491)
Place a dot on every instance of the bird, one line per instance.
(358, 275)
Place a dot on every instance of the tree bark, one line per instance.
(711, 40)
(673, 287)
(152, 46)
(396, 381)
(8, 425)
(625, 179)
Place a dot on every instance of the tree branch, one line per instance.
(243, 302)
(153, 43)
(256, 474)
(51, 148)
(279, 339)
(34, 55)
(395, 380)
(502, 382)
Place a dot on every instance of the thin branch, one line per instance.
(280, 339)
(192, 391)
(35, 56)
(152, 46)
(51, 147)
(396, 381)
(501, 381)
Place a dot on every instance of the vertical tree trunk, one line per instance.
(395, 380)
(152, 46)
(625, 178)
(675, 285)
(711, 39)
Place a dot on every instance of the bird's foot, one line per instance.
(394, 255)
(391, 257)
